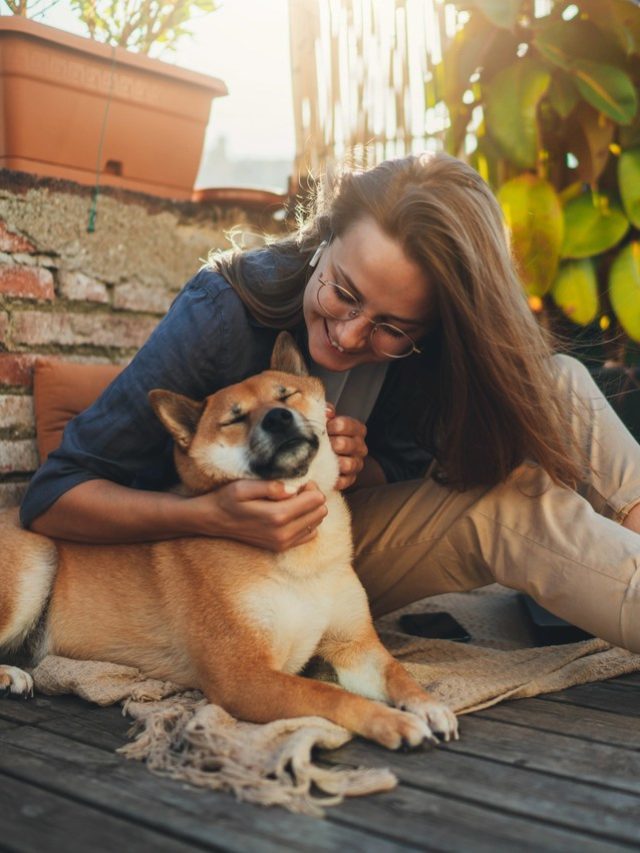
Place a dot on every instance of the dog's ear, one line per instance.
(287, 357)
(179, 415)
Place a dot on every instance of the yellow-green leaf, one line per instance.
(592, 224)
(533, 213)
(624, 289)
(575, 291)
(562, 42)
(502, 13)
(607, 88)
(563, 95)
(511, 109)
(629, 183)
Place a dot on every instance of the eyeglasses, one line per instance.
(384, 338)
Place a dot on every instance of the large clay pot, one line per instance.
(76, 108)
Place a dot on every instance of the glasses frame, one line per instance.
(358, 311)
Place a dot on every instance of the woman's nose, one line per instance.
(353, 334)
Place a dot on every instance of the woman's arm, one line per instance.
(371, 474)
(256, 512)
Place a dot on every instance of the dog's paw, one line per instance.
(398, 729)
(440, 719)
(15, 683)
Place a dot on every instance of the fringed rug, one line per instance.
(178, 734)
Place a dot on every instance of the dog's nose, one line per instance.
(277, 420)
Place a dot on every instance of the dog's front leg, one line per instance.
(364, 666)
(264, 695)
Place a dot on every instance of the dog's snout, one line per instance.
(277, 420)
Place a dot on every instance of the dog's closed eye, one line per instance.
(238, 419)
(237, 416)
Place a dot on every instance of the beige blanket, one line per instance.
(178, 734)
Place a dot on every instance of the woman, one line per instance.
(402, 290)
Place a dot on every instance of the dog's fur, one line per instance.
(235, 621)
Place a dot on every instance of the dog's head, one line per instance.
(270, 426)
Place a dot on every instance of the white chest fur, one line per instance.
(308, 591)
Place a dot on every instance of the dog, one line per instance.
(233, 620)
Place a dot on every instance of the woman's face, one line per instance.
(390, 286)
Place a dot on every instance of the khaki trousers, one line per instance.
(566, 548)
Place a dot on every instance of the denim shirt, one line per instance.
(207, 340)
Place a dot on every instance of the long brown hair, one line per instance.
(489, 399)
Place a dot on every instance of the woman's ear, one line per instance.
(179, 415)
(286, 356)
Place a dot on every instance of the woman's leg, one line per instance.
(419, 538)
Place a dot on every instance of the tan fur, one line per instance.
(233, 620)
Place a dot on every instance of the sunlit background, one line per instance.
(250, 138)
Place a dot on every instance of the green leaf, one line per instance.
(624, 289)
(575, 291)
(464, 55)
(562, 94)
(502, 13)
(606, 88)
(533, 213)
(593, 224)
(630, 136)
(619, 18)
(588, 138)
(562, 42)
(511, 109)
(629, 183)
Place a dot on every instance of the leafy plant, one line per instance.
(28, 8)
(547, 109)
(141, 24)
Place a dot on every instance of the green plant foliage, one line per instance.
(606, 88)
(575, 291)
(511, 110)
(629, 136)
(593, 224)
(619, 18)
(624, 288)
(563, 42)
(533, 213)
(563, 94)
(502, 13)
(141, 25)
(551, 94)
(27, 8)
(629, 180)
(591, 136)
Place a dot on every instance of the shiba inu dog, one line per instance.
(231, 619)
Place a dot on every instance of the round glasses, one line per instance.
(385, 339)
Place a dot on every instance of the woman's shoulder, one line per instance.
(209, 299)
(209, 282)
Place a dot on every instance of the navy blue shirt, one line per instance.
(207, 340)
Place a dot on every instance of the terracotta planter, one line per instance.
(68, 101)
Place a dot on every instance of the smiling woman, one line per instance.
(476, 456)
(363, 299)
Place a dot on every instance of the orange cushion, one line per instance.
(61, 390)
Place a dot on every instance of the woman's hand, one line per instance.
(347, 439)
(261, 513)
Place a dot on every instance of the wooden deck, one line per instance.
(560, 772)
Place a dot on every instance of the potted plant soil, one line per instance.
(79, 109)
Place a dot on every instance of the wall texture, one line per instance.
(81, 296)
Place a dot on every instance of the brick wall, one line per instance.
(81, 296)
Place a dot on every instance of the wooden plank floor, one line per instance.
(559, 772)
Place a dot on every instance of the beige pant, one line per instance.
(565, 548)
